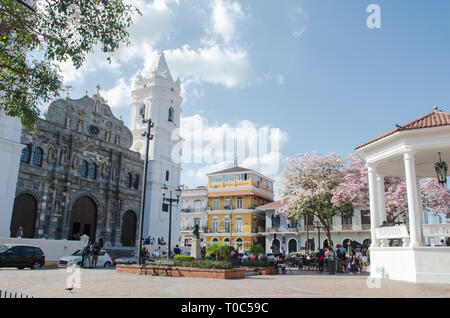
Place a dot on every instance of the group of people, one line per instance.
(90, 254)
(338, 260)
(151, 241)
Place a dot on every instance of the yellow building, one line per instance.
(233, 195)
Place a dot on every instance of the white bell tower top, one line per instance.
(157, 97)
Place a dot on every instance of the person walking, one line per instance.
(321, 257)
(176, 250)
(95, 252)
(87, 258)
(100, 241)
(331, 261)
(339, 258)
(20, 232)
(353, 263)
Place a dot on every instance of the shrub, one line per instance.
(183, 257)
(203, 264)
(257, 249)
(219, 250)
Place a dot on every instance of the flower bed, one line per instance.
(176, 271)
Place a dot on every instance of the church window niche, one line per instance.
(37, 156)
(92, 171)
(68, 123)
(171, 114)
(142, 110)
(108, 137)
(128, 180)
(84, 168)
(26, 154)
(167, 175)
(117, 140)
(136, 181)
(80, 126)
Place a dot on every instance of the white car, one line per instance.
(104, 260)
(127, 260)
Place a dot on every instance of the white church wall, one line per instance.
(10, 152)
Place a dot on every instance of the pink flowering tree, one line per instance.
(309, 183)
(435, 197)
(354, 190)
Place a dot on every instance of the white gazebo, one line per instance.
(409, 151)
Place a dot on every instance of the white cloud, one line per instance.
(155, 24)
(214, 146)
(119, 96)
(215, 64)
(300, 20)
(225, 16)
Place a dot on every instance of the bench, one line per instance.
(386, 233)
(156, 266)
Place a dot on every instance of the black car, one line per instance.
(21, 256)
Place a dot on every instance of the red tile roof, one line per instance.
(271, 205)
(434, 119)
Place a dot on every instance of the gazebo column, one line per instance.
(373, 197)
(414, 211)
(381, 200)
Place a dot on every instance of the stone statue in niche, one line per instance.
(115, 171)
(50, 156)
(75, 162)
(57, 208)
(68, 123)
(62, 159)
(105, 170)
(80, 126)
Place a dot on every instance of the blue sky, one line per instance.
(311, 68)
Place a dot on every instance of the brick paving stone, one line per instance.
(108, 283)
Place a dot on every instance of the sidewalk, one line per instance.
(108, 283)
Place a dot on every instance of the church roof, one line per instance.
(234, 169)
(436, 118)
(160, 68)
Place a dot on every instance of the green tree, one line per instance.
(32, 42)
(257, 249)
(219, 250)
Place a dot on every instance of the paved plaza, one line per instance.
(51, 283)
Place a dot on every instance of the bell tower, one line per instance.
(157, 97)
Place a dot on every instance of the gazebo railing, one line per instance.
(436, 230)
(384, 234)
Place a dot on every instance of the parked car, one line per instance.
(21, 256)
(127, 260)
(104, 260)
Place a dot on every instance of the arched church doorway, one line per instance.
(83, 218)
(24, 215)
(129, 222)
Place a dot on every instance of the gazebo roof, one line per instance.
(434, 119)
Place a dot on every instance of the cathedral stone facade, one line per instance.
(78, 175)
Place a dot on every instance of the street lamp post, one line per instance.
(149, 137)
(318, 226)
(170, 200)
